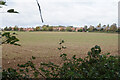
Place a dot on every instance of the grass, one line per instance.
(43, 45)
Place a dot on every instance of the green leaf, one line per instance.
(74, 57)
(27, 70)
(63, 47)
(59, 48)
(33, 57)
(35, 74)
(21, 70)
(62, 41)
(108, 54)
(2, 2)
(12, 11)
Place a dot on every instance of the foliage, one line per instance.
(37, 28)
(50, 28)
(91, 28)
(85, 28)
(12, 11)
(94, 66)
(68, 29)
(113, 28)
(21, 29)
(104, 28)
(16, 28)
(10, 38)
(2, 2)
(44, 29)
(80, 30)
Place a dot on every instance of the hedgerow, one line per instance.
(94, 66)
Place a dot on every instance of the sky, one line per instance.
(75, 13)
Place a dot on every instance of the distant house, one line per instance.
(61, 28)
(73, 29)
(28, 29)
(55, 28)
(24, 29)
(12, 28)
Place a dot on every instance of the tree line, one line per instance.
(98, 28)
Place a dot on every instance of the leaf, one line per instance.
(12, 11)
(89, 53)
(59, 48)
(74, 57)
(108, 54)
(35, 74)
(21, 70)
(33, 57)
(2, 2)
(80, 59)
(63, 47)
(27, 70)
(62, 41)
(63, 55)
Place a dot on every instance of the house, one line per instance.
(73, 29)
(55, 29)
(61, 28)
(29, 29)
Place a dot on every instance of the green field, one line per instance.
(43, 45)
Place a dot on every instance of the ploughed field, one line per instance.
(43, 45)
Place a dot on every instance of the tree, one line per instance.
(45, 26)
(99, 27)
(107, 28)
(10, 28)
(80, 30)
(37, 28)
(44, 29)
(85, 28)
(21, 29)
(16, 28)
(70, 26)
(50, 28)
(6, 28)
(113, 27)
(68, 29)
(103, 27)
(91, 28)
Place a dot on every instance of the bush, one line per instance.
(9, 38)
(94, 66)
(80, 30)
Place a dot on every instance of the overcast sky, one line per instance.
(60, 12)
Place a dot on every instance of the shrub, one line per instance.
(80, 30)
(94, 66)
(9, 38)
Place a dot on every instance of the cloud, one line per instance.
(61, 12)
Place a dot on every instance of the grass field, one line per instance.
(43, 45)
